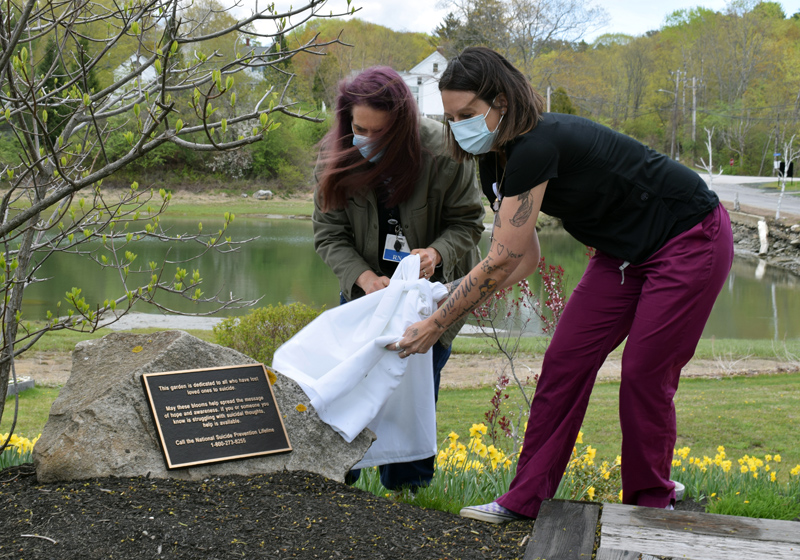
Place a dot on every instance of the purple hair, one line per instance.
(346, 172)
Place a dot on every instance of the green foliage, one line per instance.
(9, 152)
(561, 103)
(761, 502)
(287, 154)
(369, 45)
(259, 333)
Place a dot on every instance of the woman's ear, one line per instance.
(501, 102)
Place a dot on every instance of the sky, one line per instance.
(633, 17)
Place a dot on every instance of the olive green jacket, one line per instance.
(445, 212)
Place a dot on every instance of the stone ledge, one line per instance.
(23, 384)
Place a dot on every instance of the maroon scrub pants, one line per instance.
(661, 306)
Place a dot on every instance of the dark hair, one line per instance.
(488, 74)
(345, 172)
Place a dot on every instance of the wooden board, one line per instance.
(614, 554)
(698, 536)
(564, 530)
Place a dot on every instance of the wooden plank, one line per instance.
(614, 554)
(564, 530)
(698, 536)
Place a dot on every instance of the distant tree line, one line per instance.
(736, 71)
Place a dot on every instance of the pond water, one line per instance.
(281, 266)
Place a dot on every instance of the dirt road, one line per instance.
(50, 369)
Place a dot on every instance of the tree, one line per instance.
(181, 84)
(371, 45)
(518, 29)
(561, 103)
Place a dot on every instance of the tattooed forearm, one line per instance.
(524, 211)
(487, 288)
(463, 289)
(451, 286)
(484, 292)
(512, 255)
(487, 265)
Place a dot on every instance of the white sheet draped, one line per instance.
(353, 382)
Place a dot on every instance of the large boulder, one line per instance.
(100, 425)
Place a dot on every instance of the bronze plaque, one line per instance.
(217, 414)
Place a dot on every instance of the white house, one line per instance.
(423, 80)
(133, 62)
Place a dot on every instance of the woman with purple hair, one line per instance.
(387, 188)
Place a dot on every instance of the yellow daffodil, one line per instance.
(580, 437)
(590, 492)
(477, 429)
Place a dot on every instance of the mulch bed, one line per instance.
(278, 516)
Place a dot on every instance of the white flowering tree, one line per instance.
(71, 129)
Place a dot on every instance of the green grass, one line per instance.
(758, 502)
(791, 185)
(243, 208)
(748, 415)
(727, 350)
(65, 340)
(34, 408)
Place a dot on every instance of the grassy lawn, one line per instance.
(241, 208)
(725, 350)
(751, 415)
(748, 415)
(791, 185)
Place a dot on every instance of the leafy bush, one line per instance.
(287, 154)
(259, 333)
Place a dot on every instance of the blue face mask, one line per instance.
(365, 147)
(473, 135)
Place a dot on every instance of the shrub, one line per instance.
(259, 333)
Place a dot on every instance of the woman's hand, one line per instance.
(429, 258)
(371, 282)
(417, 339)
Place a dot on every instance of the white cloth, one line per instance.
(353, 381)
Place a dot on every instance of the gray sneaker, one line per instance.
(490, 513)
(679, 490)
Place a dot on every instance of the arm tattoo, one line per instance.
(497, 221)
(451, 287)
(487, 265)
(524, 211)
(463, 288)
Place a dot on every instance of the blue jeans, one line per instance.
(413, 474)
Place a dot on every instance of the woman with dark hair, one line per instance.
(664, 248)
(387, 188)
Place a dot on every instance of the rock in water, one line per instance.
(100, 425)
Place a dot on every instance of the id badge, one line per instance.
(396, 248)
